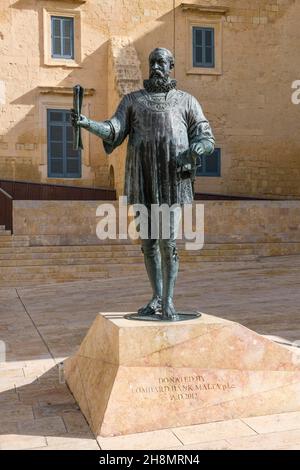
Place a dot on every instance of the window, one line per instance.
(203, 47)
(63, 160)
(62, 37)
(211, 164)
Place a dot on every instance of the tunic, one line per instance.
(159, 132)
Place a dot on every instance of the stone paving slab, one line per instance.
(146, 440)
(273, 423)
(213, 431)
(271, 441)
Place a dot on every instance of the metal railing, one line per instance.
(27, 190)
(24, 190)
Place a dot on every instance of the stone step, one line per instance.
(71, 248)
(121, 254)
(218, 257)
(28, 265)
(4, 237)
(112, 248)
(13, 277)
(12, 244)
(215, 251)
(15, 242)
(66, 268)
(135, 246)
(40, 274)
(89, 267)
(117, 261)
(70, 261)
(35, 266)
(29, 279)
(27, 255)
(5, 233)
(42, 279)
(120, 261)
(17, 249)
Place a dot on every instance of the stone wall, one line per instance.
(248, 103)
(124, 76)
(252, 221)
(74, 222)
(57, 222)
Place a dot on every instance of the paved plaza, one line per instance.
(42, 325)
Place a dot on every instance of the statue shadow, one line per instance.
(34, 398)
(42, 407)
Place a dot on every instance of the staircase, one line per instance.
(7, 240)
(22, 264)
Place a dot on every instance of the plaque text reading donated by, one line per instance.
(182, 388)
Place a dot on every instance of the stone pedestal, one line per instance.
(133, 376)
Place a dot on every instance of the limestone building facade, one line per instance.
(240, 58)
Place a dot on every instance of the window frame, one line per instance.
(64, 174)
(61, 61)
(203, 46)
(217, 25)
(204, 173)
(62, 20)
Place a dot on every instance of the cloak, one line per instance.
(160, 129)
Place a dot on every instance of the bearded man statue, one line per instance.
(168, 136)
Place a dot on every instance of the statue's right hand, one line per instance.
(78, 120)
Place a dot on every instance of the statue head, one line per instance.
(161, 62)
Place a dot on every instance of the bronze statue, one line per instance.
(168, 135)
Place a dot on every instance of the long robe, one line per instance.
(159, 132)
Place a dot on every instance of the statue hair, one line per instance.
(166, 52)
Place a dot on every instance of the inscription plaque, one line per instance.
(181, 388)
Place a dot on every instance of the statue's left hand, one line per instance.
(197, 149)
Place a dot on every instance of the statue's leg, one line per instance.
(170, 266)
(152, 260)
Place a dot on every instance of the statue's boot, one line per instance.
(170, 265)
(151, 308)
(152, 261)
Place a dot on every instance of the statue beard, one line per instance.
(159, 84)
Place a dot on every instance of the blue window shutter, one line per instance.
(56, 37)
(62, 37)
(67, 27)
(63, 161)
(203, 47)
(211, 164)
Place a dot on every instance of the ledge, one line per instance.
(69, 1)
(217, 10)
(63, 90)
